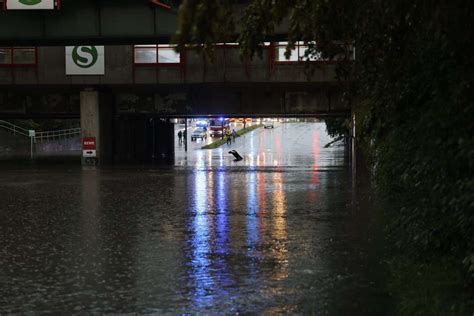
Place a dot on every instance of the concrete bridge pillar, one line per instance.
(96, 121)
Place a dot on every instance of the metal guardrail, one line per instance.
(16, 130)
(59, 134)
(40, 136)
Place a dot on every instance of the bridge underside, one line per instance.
(131, 123)
(90, 22)
(177, 100)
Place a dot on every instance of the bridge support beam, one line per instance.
(96, 121)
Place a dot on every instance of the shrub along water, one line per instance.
(416, 118)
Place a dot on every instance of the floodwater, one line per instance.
(281, 232)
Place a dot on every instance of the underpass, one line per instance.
(148, 225)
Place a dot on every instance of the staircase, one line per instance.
(40, 136)
(16, 142)
(16, 130)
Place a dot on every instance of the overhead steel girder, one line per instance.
(89, 22)
(98, 22)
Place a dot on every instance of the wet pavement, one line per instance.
(282, 231)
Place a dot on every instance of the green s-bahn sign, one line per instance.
(85, 60)
(85, 56)
(30, 4)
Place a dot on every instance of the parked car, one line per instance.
(202, 123)
(268, 124)
(198, 133)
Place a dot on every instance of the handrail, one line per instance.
(58, 134)
(14, 128)
(40, 136)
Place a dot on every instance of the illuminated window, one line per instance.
(145, 54)
(156, 54)
(297, 54)
(18, 56)
(168, 55)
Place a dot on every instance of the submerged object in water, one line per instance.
(236, 155)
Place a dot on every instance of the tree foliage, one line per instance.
(413, 82)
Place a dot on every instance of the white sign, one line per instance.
(85, 60)
(31, 133)
(89, 153)
(29, 4)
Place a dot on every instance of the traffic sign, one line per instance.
(89, 147)
(85, 60)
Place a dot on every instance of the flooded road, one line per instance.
(281, 232)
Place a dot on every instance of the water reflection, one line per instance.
(252, 210)
(210, 228)
(210, 238)
(312, 192)
(279, 231)
(222, 221)
(272, 235)
(200, 241)
(90, 232)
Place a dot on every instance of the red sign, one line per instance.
(88, 143)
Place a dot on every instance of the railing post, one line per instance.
(32, 135)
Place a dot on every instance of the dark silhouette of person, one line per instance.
(236, 155)
(180, 137)
(228, 136)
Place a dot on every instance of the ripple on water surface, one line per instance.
(208, 236)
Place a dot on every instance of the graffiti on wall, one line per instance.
(170, 103)
(39, 103)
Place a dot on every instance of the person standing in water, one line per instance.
(228, 137)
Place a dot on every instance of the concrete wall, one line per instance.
(81, 20)
(93, 22)
(14, 147)
(167, 101)
(227, 67)
(59, 148)
(227, 85)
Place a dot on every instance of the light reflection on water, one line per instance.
(200, 241)
(294, 145)
(279, 227)
(209, 238)
(252, 211)
(312, 193)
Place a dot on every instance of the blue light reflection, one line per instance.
(252, 209)
(200, 241)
